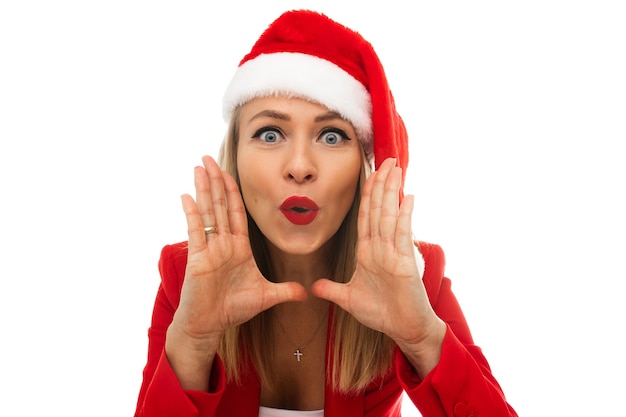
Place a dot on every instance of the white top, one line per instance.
(278, 412)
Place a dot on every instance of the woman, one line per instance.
(300, 290)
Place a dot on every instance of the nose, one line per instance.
(301, 166)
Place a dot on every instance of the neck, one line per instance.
(305, 269)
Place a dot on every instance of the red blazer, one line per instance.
(460, 385)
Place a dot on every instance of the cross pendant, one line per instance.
(298, 354)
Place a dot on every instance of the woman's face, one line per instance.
(299, 166)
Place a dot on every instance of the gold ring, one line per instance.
(210, 229)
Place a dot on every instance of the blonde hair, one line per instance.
(359, 354)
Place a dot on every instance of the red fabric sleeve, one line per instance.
(160, 393)
(461, 384)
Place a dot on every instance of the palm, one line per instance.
(386, 292)
(225, 276)
(385, 282)
(223, 286)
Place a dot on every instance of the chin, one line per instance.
(299, 246)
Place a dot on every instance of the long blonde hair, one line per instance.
(360, 354)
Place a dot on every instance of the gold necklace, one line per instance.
(298, 352)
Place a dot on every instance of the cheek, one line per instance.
(347, 180)
(252, 178)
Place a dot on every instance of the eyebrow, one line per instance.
(331, 115)
(273, 114)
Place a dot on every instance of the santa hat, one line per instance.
(306, 54)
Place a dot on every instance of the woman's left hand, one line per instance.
(386, 292)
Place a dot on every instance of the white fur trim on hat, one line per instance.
(307, 76)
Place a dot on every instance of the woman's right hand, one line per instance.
(223, 286)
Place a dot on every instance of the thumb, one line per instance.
(284, 292)
(332, 291)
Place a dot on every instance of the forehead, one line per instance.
(284, 104)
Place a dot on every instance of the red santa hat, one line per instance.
(306, 54)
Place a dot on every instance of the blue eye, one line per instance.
(333, 136)
(268, 134)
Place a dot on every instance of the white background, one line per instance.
(516, 113)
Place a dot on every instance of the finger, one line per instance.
(404, 238)
(378, 190)
(218, 195)
(390, 205)
(236, 210)
(363, 220)
(195, 226)
(204, 201)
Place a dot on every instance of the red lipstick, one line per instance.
(299, 210)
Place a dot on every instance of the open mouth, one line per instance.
(299, 210)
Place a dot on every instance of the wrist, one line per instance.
(424, 355)
(191, 358)
(196, 346)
